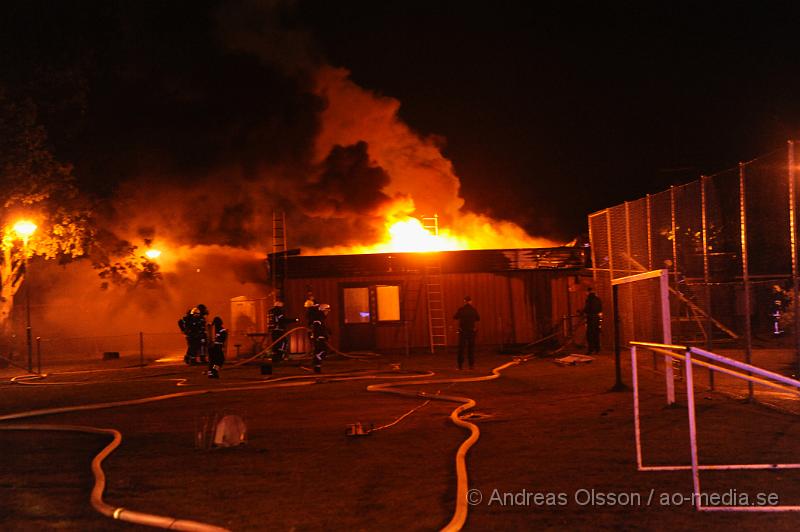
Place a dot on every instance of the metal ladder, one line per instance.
(437, 319)
(278, 273)
(431, 223)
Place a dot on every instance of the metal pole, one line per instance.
(674, 232)
(618, 384)
(793, 240)
(649, 237)
(141, 349)
(628, 235)
(706, 274)
(666, 326)
(692, 426)
(610, 273)
(650, 251)
(674, 229)
(28, 335)
(636, 426)
(593, 253)
(39, 354)
(632, 321)
(745, 275)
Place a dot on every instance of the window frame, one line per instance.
(372, 287)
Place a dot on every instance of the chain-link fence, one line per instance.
(729, 242)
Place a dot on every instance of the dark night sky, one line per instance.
(550, 110)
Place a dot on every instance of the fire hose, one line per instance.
(460, 514)
(357, 356)
(142, 518)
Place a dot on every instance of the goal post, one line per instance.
(642, 313)
(694, 357)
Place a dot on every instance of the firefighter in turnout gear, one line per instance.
(278, 325)
(319, 333)
(193, 327)
(216, 353)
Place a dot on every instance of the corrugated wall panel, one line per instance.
(515, 307)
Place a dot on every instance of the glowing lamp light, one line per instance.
(152, 254)
(24, 228)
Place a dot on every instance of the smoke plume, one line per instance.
(201, 122)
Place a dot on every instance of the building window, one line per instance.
(371, 303)
(356, 305)
(388, 300)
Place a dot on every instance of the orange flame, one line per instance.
(422, 178)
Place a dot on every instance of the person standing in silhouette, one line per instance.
(593, 311)
(467, 317)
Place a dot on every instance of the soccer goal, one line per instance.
(642, 313)
(692, 357)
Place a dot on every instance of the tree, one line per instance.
(36, 186)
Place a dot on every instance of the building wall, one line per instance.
(516, 307)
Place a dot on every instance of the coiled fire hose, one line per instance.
(460, 514)
(153, 520)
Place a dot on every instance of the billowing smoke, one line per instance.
(199, 123)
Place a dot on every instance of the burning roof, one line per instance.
(463, 261)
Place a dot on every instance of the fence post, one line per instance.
(610, 269)
(674, 227)
(39, 355)
(649, 236)
(793, 243)
(706, 274)
(141, 349)
(619, 386)
(748, 353)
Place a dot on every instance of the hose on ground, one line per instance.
(96, 497)
(460, 513)
(153, 520)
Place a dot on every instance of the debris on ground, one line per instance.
(574, 360)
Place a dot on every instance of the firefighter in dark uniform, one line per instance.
(319, 334)
(216, 353)
(593, 311)
(278, 325)
(193, 326)
(204, 334)
(467, 317)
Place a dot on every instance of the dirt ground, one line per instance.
(556, 450)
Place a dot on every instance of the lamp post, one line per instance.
(24, 230)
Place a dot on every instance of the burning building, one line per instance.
(396, 301)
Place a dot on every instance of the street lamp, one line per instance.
(24, 229)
